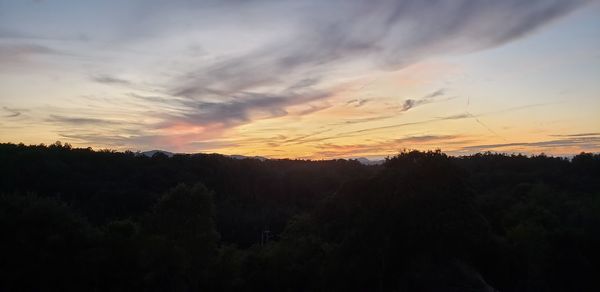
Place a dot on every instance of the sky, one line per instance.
(305, 79)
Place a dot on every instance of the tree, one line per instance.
(182, 234)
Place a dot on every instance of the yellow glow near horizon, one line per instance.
(306, 83)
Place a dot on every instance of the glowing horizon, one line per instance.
(310, 79)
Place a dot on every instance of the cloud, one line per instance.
(586, 142)
(143, 141)
(367, 119)
(106, 79)
(358, 102)
(77, 121)
(407, 105)
(14, 53)
(461, 116)
(13, 113)
(326, 35)
(392, 34)
(578, 135)
(303, 137)
(103, 139)
(435, 94)
(387, 147)
(211, 145)
(410, 103)
(261, 59)
(243, 108)
(25, 49)
(429, 98)
(313, 109)
(456, 117)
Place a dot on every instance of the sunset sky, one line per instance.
(303, 79)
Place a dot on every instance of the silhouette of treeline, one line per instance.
(83, 220)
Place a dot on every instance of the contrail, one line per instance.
(480, 122)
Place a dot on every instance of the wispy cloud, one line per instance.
(17, 53)
(391, 35)
(583, 142)
(313, 109)
(358, 102)
(106, 79)
(429, 98)
(78, 121)
(242, 108)
(387, 147)
(461, 116)
(578, 135)
(395, 109)
(12, 112)
(17, 50)
(252, 60)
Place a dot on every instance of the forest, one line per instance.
(77, 219)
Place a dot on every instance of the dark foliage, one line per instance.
(83, 220)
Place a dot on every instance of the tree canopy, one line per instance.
(77, 219)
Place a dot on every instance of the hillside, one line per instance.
(78, 219)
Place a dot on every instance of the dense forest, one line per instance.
(82, 220)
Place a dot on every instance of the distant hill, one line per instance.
(362, 160)
(170, 154)
(366, 161)
(235, 156)
(152, 152)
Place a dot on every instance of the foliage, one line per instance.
(78, 220)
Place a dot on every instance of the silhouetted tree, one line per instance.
(81, 220)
